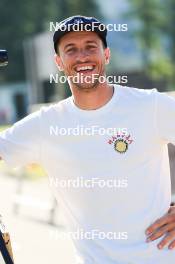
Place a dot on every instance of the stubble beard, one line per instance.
(86, 86)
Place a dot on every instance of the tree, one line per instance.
(169, 31)
(151, 18)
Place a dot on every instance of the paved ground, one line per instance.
(33, 239)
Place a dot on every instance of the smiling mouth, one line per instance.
(84, 69)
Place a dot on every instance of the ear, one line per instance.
(59, 62)
(107, 55)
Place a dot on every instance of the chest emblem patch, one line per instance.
(120, 142)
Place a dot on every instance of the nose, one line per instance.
(82, 55)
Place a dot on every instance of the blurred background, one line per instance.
(145, 53)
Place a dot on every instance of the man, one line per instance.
(115, 170)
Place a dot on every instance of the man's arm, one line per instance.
(20, 143)
(165, 126)
(164, 226)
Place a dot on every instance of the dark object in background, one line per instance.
(20, 105)
(3, 58)
(5, 245)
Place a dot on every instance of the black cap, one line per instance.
(79, 23)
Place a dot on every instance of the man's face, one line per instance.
(83, 54)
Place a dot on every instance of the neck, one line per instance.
(91, 99)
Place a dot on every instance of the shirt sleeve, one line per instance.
(20, 144)
(165, 117)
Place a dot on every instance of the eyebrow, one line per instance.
(91, 42)
(87, 42)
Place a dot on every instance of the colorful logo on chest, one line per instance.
(121, 142)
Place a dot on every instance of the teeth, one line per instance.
(84, 68)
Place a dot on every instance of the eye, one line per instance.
(71, 50)
(91, 47)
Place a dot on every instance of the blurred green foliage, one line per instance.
(156, 35)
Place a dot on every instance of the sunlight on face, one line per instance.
(82, 54)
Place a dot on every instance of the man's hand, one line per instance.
(164, 226)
